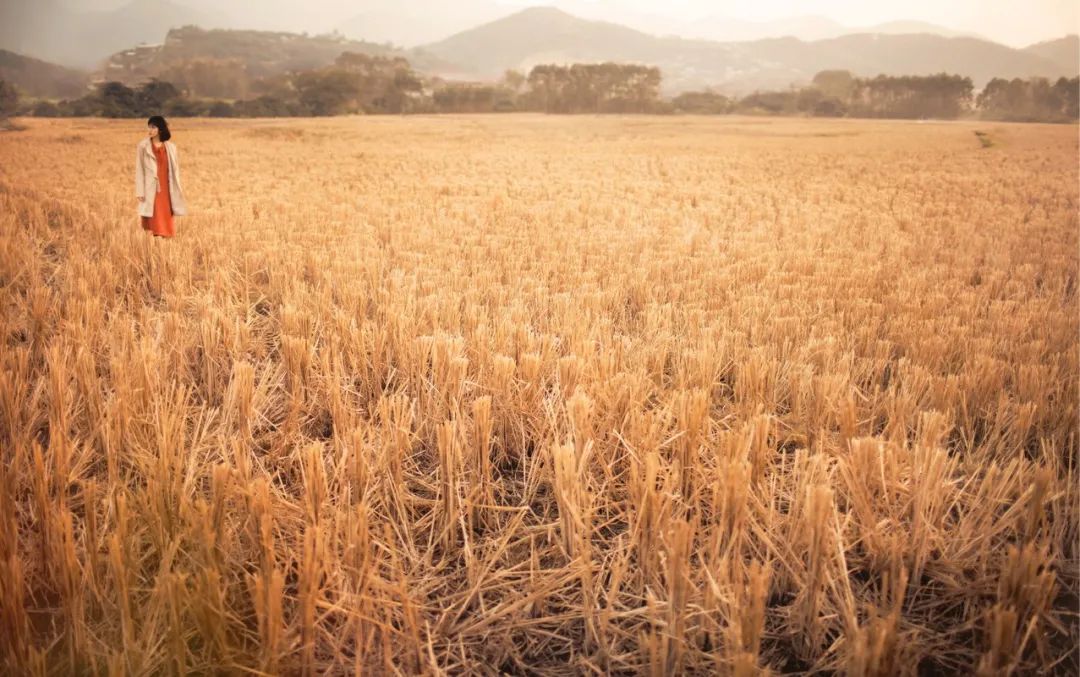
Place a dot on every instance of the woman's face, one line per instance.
(151, 131)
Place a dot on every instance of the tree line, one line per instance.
(1031, 100)
(361, 83)
(942, 96)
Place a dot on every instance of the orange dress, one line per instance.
(161, 223)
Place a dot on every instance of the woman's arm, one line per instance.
(140, 177)
(176, 161)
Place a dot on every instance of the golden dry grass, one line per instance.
(541, 395)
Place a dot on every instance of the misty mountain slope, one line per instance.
(917, 54)
(1064, 51)
(37, 78)
(262, 52)
(730, 29)
(50, 30)
(547, 35)
(534, 34)
(239, 57)
(903, 27)
(415, 22)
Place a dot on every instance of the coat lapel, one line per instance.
(171, 161)
(150, 162)
(176, 192)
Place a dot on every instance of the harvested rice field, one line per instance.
(542, 396)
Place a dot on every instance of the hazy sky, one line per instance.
(1014, 22)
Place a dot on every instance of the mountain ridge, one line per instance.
(1064, 51)
(226, 62)
(39, 78)
(51, 31)
(547, 34)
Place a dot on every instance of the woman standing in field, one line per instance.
(157, 180)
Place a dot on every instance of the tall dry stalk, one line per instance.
(549, 404)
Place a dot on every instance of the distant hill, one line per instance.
(908, 27)
(531, 34)
(723, 28)
(809, 28)
(730, 29)
(906, 54)
(416, 22)
(51, 30)
(539, 35)
(37, 78)
(236, 57)
(544, 34)
(159, 38)
(1064, 51)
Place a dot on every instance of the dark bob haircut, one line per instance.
(163, 127)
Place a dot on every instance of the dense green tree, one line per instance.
(385, 84)
(86, 106)
(153, 97)
(1068, 92)
(807, 99)
(9, 99)
(118, 100)
(220, 109)
(829, 107)
(941, 96)
(183, 107)
(46, 109)
(465, 98)
(1030, 100)
(268, 107)
(513, 80)
(331, 92)
(771, 103)
(594, 88)
(703, 103)
(838, 84)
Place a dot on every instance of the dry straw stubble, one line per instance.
(532, 394)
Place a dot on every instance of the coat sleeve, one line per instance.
(176, 161)
(140, 178)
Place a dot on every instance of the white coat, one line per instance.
(146, 178)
